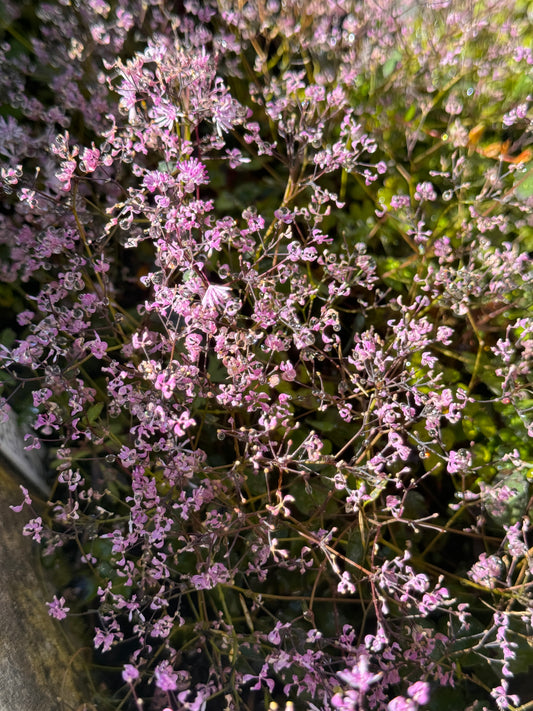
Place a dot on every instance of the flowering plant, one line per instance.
(268, 270)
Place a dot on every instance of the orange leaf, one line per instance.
(474, 135)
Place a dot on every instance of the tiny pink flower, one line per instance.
(216, 296)
(419, 692)
(57, 608)
(130, 673)
(165, 677)
(425, 191)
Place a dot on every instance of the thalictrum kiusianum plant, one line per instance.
(268, 268)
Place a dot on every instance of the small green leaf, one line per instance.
(524, 185)
(481, 454)
(391, 63)
(469, 428)
(325, 425)
(7, 337)
(486, 424)
(410, 113)
(94, 412)
(166, 166)
(355, 550)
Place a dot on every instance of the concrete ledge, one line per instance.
(39, 668)
(29, 463)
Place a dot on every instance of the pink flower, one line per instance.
(359, 677)
(34, 528)
(345, 585)
(261, 678)
(57, 608)
(215, 296)
(27, 500)
(65, 174)
(419, 692)
(400, 703)
(191, 174)
(165, 677)
(130, 673)
(281, 507)
(425, 191)
(89, 159)
(103, 639)
(458, 461)
(97, 347)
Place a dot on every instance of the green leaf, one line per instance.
(479, 420)
(447, 699)
(481, 454)
(397, 275)
(448, 437)
(391, 64)
(469, 428)
(415, 506)
(309, 498)
(328, 424)
(486, 424)
(94, 412)
(410, 113)
(524, 185)
(166, 166)
(512, 510)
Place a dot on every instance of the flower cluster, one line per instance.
(268, 271)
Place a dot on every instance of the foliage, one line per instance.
(268, 269)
